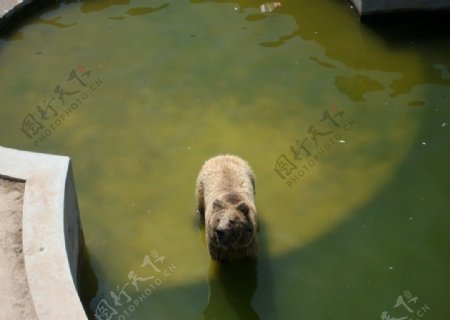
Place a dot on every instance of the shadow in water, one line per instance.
(235, 285)
(88, 283)
(231, 289)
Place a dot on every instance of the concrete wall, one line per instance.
(367, 7)
(51, 231)
(13, 12)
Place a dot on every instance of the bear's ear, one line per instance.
(218, 204)
(242, 207)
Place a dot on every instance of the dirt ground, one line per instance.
(15, 299)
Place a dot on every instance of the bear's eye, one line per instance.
(243, 208)
(218, 204)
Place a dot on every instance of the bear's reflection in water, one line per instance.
(231, 288)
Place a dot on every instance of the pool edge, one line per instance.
(52, 235)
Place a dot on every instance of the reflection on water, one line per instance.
(345, 232)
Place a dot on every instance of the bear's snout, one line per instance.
(221, 236)
(232, 233)
(225, 235)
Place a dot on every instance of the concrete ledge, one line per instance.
(6, 6)
(13, 12)
(370, 7)
(52, 234)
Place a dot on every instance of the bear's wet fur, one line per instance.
(225, 192)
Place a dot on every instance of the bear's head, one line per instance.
(232, 223)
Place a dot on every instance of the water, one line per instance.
(140, 93)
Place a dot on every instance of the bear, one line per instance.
(225, 191)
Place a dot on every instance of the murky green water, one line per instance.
(345, 125)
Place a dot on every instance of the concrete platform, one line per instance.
(42, 233)
(371, 7)
(13, 12)
(14, 293)
(7, 5)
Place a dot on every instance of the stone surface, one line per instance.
(367, 7)
(7, 5)
(13, 12)
(51, 232)
(15, 295)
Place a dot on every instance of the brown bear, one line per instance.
(225, 191)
